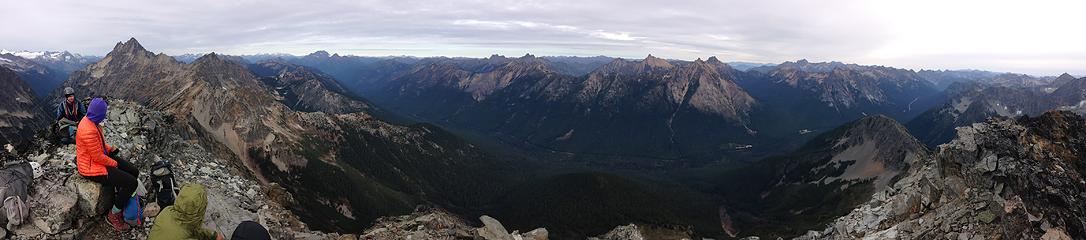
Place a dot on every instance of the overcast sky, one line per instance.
(1036, 37)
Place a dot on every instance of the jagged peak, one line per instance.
(210, 58)
(209, 55)
(319, 53)
(132, 46)
(713, 59)
(656, 62)
(1065, 76)
(527, 56)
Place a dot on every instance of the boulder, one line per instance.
(54, 212)
(492, 229)
(151, 210)
(537, 234)
(627, 232)
(93, 199)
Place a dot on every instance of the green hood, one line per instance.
(191, 204)
(185, 218)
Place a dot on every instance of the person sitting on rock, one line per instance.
(185, 218)
(101, 163)
(69, 112)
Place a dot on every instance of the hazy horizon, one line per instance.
(1037, 38)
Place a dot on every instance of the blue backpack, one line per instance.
(133, 213)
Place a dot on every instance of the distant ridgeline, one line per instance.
(579, 145)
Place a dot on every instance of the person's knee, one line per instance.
(130, 184)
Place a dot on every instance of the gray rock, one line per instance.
(538, 234)
(55, 212)
(493, 230)
(627, 232)
(988, 163)
(92, 201)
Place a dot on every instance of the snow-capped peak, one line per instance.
(45, 55)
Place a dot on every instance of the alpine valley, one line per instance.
(330, 146)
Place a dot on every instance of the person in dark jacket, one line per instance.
(249, 230)
(69, 112)
(101, 163)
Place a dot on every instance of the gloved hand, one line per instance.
(115, 152)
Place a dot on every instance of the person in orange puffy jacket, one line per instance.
(101, 163)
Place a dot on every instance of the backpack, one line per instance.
(162, 183)
(133, 213)
(15, 180)
(16, 210)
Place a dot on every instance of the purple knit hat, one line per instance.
(96, 112)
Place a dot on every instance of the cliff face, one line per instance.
(20, 115)
(1009, 179)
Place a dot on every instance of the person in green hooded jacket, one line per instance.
(185, 218)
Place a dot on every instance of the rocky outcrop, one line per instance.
(431, 223)
(1001, 179)
(627, 232)
(66, 205)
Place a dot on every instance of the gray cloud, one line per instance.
(767, 31)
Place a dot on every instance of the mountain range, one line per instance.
(379, 168)
(579, 145)
(44, 71)
(972, 102)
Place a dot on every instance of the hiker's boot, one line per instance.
(134, 222)
(117, 220)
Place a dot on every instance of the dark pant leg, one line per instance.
(124, 165)
(124, 185)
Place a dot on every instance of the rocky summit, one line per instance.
(1000, 179)
(66, 205)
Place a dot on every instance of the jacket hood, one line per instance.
(96, 112)
(191, 204)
